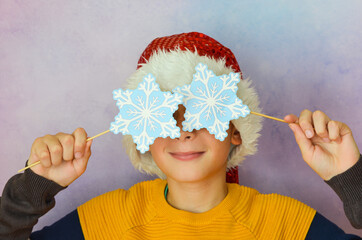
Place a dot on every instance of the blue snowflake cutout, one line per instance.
(211, 101)
(146, 113)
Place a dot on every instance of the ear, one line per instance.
(235, 135)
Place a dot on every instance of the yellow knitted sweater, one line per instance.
(143, 213)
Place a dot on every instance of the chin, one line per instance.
(189, 176)
(186, 179)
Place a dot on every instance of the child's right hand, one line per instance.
(63, 157)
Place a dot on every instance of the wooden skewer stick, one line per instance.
(259, 114)
(36, 163)
(266, 116)
(98, 135)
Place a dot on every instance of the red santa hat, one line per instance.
(172, 60)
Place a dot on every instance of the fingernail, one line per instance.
(78, 155)
(308, 133)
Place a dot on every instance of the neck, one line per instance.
(197, 197)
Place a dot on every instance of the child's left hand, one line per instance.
(327, 146)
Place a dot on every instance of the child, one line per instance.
(192, 199)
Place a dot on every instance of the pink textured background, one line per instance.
(60, 61)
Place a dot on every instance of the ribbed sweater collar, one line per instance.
(165, 209)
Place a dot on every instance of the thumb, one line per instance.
(88, 151)
(82, 162)
(304, 143)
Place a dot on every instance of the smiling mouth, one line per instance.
(186, 156)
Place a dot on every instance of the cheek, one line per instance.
(221, 148)
(157, 144)
(157, 150)
(158, 147)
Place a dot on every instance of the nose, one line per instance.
(179, 117)
(186, 135)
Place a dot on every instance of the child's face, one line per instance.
(195, 155)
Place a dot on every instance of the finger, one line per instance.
(320, 121)
(67, 142)
(55, 149)
(80, 137)
(291, 118)
(305, 122)
(40, 153)
(305, 144)
(33, 158)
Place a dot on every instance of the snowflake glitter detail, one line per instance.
(146, 113)
(211, 102)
